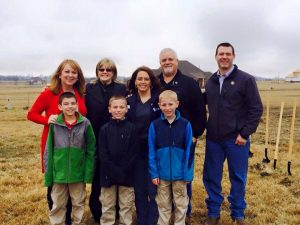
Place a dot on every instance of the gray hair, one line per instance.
(167, 50)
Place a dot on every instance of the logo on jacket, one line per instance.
(232, 83)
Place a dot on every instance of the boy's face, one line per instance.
(68, 106)
(168, 106)
(118, 109)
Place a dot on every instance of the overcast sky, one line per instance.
(36, 35)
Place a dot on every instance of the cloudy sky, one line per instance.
(36, 35)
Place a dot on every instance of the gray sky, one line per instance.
(36, 35)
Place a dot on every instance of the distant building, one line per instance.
(37, 81)
(191, 70)
(294, 77)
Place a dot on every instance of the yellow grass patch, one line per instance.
(273, 197)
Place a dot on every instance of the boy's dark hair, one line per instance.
(66, 95)
(117, 97)
(225, 44)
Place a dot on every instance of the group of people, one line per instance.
(136, 144)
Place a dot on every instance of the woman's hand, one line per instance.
(52, 118)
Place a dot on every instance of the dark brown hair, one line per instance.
(66, 94)
(155, 85)
(225, 44)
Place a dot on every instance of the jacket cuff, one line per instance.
(243, 135)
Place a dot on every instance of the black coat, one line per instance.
(236, 110)
(117, 151)
(191, 100)
(96, 101)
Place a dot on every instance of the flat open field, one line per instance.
(273, 196)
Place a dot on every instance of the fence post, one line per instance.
(9, 104)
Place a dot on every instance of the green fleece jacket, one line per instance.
(69, 153)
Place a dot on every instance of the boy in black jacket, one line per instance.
(117, 150)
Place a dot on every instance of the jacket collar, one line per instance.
(177, 113)
(215, 76)
(118, 122)
(173, 82)
(98, 90)
(60, 119)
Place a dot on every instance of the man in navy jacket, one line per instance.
(192, 104)
(235, 109)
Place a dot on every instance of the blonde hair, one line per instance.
(168, 94)
(56, 86)
(109, 64)
(117, 97)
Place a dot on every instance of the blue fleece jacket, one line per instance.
(169, 149)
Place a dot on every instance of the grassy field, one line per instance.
(273, 197)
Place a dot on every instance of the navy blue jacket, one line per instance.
(117, 151)
(236, 110)
(169, 149)
(192, 103)
(132, 102)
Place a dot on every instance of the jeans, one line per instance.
(237, 160)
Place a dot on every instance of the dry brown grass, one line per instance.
(272, 199)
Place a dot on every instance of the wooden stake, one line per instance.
(278, 135)
(291, 141)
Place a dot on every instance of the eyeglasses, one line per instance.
(107, 70)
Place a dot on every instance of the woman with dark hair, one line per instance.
(67, 77)
(142, 109)
(98, 93)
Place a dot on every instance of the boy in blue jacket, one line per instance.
(170, 164)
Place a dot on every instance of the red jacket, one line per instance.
(45, 105)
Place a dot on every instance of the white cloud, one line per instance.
(37, 35)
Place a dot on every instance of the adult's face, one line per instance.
(224, 58)
(168, 63)
(142, 81)
(105, 75)
(68, 76)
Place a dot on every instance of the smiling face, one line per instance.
(68, 76)
(118, 108)
(224, 58)
(143, 82)
(168, 63)
(68, 106)
(105, 75)
(168, 106)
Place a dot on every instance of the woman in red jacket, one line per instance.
(67, 77)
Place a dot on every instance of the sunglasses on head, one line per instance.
(105, 69)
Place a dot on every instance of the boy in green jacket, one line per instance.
(69, 160)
